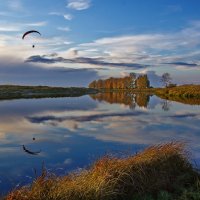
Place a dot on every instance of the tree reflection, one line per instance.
(129, 99)
(166, 105)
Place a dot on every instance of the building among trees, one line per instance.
(128, 82)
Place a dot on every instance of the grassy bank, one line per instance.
(18, 92)
(187, 94)
(184, 91)
(160, 172)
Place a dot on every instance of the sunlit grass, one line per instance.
(159, 172)
(187, 94)
(187, 91)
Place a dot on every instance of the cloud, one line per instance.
(9, 28)
(66, 16)
(79, 4)
(66, 29)
(71, 53)
(182, 64)
(82, 60)
(185, 115)
(15, 5)
(151, 49)
(15, 27)
(39, 24)
(43, 119)
(19, 73)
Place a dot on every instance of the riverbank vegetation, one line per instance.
(185, 91)
(161, 172)
(18, 92)
(141, 84)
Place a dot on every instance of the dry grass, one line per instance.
(158, 168)
(191, 91)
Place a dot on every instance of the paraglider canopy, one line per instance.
(30, 32)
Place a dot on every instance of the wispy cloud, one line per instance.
(42, 23)
(66, 29)
(154, 48)
(79, 4)
(83, 60)
(66, 16)
(15, 27)
(183, 64)
(15, 5)
(9, 28)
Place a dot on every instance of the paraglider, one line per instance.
(30, 32)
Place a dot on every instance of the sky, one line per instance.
(83, 40)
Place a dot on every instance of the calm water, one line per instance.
(72, 132)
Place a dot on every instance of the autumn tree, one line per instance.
(142, 82)
(93, 84)
(100, 84)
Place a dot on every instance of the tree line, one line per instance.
(130, 82)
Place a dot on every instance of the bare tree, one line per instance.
(166, 79)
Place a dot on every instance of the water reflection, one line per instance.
(166, 105)
(73, 132)
(31, 152)
(132, 100)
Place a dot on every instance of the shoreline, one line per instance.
(187, 94)
(158, 172)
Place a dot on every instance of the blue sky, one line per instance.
(84, 40)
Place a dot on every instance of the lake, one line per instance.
(71, 133)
